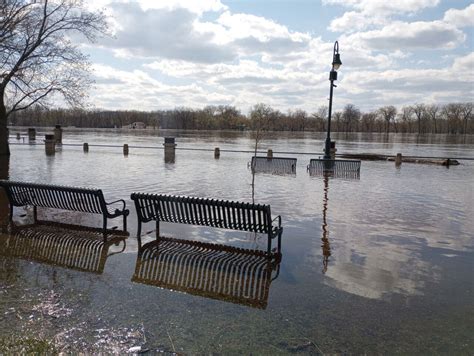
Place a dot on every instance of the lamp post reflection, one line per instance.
(326, 247)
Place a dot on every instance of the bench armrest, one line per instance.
(117, 201)
(116, 212)
(279, 220)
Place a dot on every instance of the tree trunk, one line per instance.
(4, 148)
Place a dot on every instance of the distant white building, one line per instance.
(137, 125)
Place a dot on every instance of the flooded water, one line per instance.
(380, 263)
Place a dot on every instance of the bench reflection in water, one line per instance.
(62, 245)
(213, 271)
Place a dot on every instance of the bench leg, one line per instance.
(11, 212)
(35, 214)
(279, 242)
(139, 235)
(104, 228)
(269, 247)
(157, 229)
(139, 229)
(124, 222)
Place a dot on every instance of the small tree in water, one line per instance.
(38, 59)
(260, 118)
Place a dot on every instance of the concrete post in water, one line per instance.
(85, 146)
(270, 153)
(170, 150)
(398, 159)
(58, 134)
(125, 149)
(49, 144)
(18, 136)
(217, 153)
(31, 134)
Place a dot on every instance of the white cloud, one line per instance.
(385, 7)
(460, 18)
(412, 35)
(118, 89)
(166, 33)
(197, 7)
(353, 21)
(185, 58)
(465, 65)
(243, 26)
(372, 13)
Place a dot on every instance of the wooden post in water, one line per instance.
(85, 147)
(18, 136)
(31, 134)
(398, 159)
(58, 134)
(170, 148)
(49, 145)
(217, 153)
(125, 149)
(270, 153)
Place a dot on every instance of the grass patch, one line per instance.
(26, 345)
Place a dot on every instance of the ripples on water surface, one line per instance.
(392, 273)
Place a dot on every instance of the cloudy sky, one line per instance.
(173, 53)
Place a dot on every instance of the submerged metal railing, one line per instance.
(213, 271)
(273, 165)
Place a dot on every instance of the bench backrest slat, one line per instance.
(202, 211)
(52, 196)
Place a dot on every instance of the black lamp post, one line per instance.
(336, 63)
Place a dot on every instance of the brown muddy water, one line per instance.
(382, 263)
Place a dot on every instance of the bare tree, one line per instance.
(368, 121)
(388, 113)
(419, 111)
(432, 112)
(405, 118)
(337, 121)
(466, 115)
(452, 113)
(37, 55)
(260, 117)
(351, 116)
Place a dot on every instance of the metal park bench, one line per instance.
(273, 165)
(219, 272)
(319, 166)
(85, 200)
(207, 212)
(77, 249)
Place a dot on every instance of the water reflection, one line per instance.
(220, 272)
(335, 168)
(55, 244)
(325, 239)
(401, 239)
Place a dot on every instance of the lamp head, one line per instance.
(336, 62)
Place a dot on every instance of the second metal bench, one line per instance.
(223, 214)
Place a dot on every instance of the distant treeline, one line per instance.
(454, 118)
